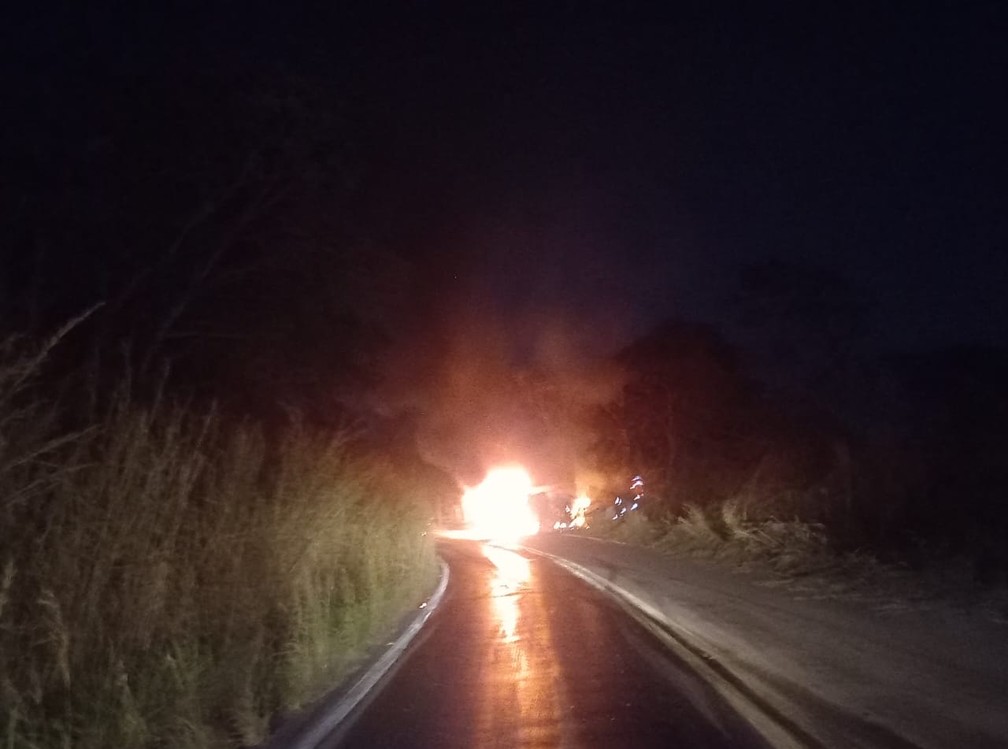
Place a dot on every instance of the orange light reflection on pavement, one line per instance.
(523, 703)
(512, 576)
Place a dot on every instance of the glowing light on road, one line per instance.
(499, 507)
(512, 577)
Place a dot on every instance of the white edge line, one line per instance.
(328, 723)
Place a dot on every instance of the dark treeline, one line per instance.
(898, 454)
(205, 214)
(198, 222)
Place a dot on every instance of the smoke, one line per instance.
(496, 367)
(486, 390)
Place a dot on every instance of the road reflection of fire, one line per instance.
(512, 576)
(525, 691)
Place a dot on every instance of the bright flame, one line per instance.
(578, 509)
(499, 507)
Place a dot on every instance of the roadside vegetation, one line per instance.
(202, 517)
(802, 445)
(725, 533)
(170, 578)
(803, 557)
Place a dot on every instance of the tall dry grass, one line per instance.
(168, 580)
(724, 529)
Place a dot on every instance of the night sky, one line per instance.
(636, 160)
(636, 157)
(566, 175)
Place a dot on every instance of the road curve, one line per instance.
(521, 654)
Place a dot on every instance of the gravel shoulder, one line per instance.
(849, 671)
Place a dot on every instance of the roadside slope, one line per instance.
(849, 673)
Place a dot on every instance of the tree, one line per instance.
(210, 217)
(682, 419)
(808, 333)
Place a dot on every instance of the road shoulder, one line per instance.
(844, 672)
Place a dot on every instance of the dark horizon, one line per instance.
(618, 167)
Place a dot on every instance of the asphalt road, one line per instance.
(521, 654)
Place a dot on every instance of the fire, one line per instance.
(498, 508)
(578, 509)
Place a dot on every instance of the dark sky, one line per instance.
(634, 157)
(562, 176)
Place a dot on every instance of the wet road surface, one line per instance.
(521, 654)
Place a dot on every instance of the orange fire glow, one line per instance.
(498, 508)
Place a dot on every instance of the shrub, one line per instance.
(168, 579)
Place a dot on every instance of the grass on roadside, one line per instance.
(725, 532)
(169, 580)
(799, 555)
